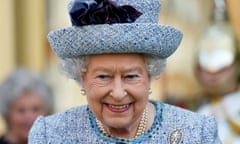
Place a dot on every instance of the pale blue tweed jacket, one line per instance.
(172, 125)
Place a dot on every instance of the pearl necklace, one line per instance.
(141, 127)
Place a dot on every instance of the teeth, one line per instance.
(119, 107)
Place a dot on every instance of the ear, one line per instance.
(82, 79)
(149, 78)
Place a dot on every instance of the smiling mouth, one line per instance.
(118, 108)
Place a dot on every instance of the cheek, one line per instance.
(16, 119)
(141, 89)
(94, 91)
(35, 113)
(95, 96)
(94, 102)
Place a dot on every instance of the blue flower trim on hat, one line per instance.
(87, 12)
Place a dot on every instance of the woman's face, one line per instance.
(107, 80)
(22, 113)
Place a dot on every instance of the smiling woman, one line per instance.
(117, 93)
(114, 50)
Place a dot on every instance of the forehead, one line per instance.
(113, 60)
(27, 97)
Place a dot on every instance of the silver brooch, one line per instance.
(175, 137)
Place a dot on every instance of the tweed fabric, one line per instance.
(75, 126)
(145, 35)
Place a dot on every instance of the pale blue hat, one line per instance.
(137, 31)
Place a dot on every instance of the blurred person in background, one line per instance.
(219, 77)
(218, 70)
(24, 95)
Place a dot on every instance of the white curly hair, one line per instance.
(20, 80)
(73, 68)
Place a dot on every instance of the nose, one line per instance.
(30, 117)
(118, 91)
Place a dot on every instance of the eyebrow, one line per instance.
(126, 70)
(101, 68)
(132, 69)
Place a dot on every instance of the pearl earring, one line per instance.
(83, 92)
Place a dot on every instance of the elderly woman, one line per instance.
(114, 50)
(24, 95)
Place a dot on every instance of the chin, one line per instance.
(117, 123)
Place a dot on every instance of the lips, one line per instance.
(118, 108)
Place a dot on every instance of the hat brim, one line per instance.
(148, 38)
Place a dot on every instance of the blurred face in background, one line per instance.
(22, 113)
(219, 82)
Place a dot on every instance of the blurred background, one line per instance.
(25, 24)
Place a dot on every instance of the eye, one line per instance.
(36, 109)
(103, 77)
(132, 76)
(20, 110)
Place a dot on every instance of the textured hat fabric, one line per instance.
(144, 35)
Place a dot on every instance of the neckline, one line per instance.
(148, 134)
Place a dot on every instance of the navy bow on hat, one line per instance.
(85, 12)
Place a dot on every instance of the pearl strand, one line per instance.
(141, 127)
